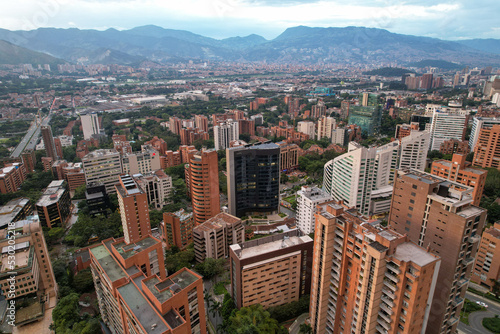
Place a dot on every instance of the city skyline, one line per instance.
(449, 20)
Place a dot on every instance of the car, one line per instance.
(481, 304)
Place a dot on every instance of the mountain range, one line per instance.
(349, 45)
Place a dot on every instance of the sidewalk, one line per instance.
(295, 327)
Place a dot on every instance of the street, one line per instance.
(476, 318)
(31, 138)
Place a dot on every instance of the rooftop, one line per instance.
(22, 256)
(164, 290)
(52, 194)
(142, 310)
(270, 244)
(220, 220)
(410, 252)
(101, 153)
(128, 250)
(10, 210)
(112, 269)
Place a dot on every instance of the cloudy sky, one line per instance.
(454, 19)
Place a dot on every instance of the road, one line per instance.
(31, 138)
(290, 213)
(476, 318)
(295, 327)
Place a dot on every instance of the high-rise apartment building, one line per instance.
(158, 187)
(91, 126)
(271, 271)
(487, 266)
(289, 156)
(213, 238)
(15, 210)
(413, 150)
(457, 171)
(307, 127)
(367, 114)
(177, 228)
(453, 146)
(253, 176)
(136, 296)
(487, 148)
(143, 162)
(11, 177)
(48, 142)
(326, 125)
(33, 268)
(175, 125)
(201, 122)
(318, 110)
(224, 133)
(104, 166)
(366, 278)
(54, 205)
(447, 123)
(438, 214)
(354, 177)
(307, 200)
(134, 209)
(202, 176)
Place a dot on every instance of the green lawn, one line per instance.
(219, 288)
(467, 309)
(290, 199)
(492, 324)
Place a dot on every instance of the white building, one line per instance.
(224, 133)
(447, 123)
(478, 124)
(143, 162)
(413, 151)
(307, 199)
(325, 127)
(103, 166)
(339, 136)
(157, 185)
(353, 176)
(307, 127)
(90, 125)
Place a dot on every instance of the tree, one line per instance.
(65, 314)
(305, 329)
(254, 319)
(80, 192)
(211, 267)
(495, 288)
(83, 282)
(54, 234)
(435, 155)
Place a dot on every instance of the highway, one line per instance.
(31, 138)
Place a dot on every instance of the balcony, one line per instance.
(388, 293)
(386, 309)
(474, 238)
(340, 234)
(390, 285)
(338, 248)
(462, 282)
(457, 301)
(334, 282)
(391, 277)
(393, 268)
(333, 296)
(381, 329)
(336, 276)
(388, 301)
(452, 321)
(384, 323)
(468, 261)
(339, 241)
(338, 255)
(336, 262)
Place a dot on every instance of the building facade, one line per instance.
(104, 166)
(271, 271)
(158, 187)
(48, 142)
(457, 171)
(224, 133)
(213, 238)
(413, 150)
(134, 209)
(487, 149)
(487, 265)
(143, 162)
(253, 176)
(177, 229)
(202, 178)
(307, 200)
(367, 278)
(54, 206)
(438, 213)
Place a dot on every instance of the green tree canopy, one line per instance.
(254, 320)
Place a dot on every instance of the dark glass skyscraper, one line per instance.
(253, 179)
